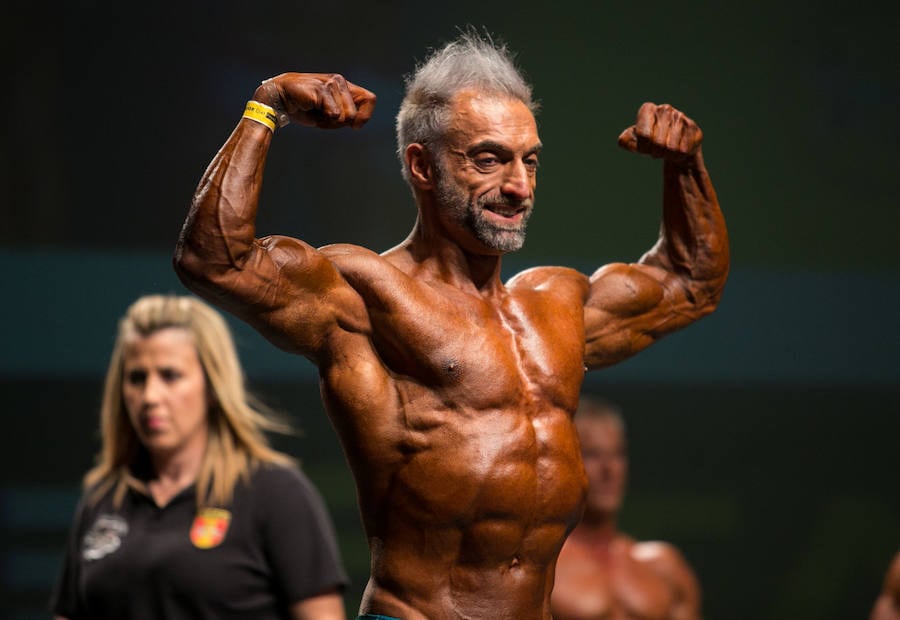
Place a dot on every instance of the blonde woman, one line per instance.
(189, 513)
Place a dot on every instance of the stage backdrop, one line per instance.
(763, 439)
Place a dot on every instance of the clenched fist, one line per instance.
(664, 132)
(324, 100)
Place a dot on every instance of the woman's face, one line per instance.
(164, 389)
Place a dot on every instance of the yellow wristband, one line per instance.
(261, 113)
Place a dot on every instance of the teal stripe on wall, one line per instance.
(60, 309)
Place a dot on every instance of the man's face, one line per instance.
(605, 462)
(487, 172)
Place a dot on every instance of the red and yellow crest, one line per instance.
(209, 528)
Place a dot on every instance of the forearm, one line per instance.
(220, 228)
(693, 242)
(329, 606)
(219, 234)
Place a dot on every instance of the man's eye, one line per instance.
(486, 161)
(531, 163)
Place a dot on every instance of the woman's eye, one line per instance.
(169, 374)
(136, 377)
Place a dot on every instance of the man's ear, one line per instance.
(420, 165)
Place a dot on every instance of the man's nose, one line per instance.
(516, 180)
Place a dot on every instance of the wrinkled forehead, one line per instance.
(475, 115)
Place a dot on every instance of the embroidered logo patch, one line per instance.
(209, 528)
(104, 537)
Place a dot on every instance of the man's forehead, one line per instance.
(600, 427)
(491, 117)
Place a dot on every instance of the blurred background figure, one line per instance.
(603, 573)
(887, 606)
(188, 512)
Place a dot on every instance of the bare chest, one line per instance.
(488, 355)
(617, 588)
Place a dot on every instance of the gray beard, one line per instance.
(499, 238)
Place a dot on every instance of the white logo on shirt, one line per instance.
(104, 537)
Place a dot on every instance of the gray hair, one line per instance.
(472, 61)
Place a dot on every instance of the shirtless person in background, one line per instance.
(601, 573)
(887, 605)
(453, 392)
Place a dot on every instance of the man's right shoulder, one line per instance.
(346, 249)
(362, 267)
(353, 259)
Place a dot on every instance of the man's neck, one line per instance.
(597, 529)
(449, 262)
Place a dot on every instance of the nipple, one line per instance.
(452, 369)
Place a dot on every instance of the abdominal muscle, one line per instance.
(470, 525)
(428, 584)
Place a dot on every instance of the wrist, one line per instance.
(267, 93)
(261, 113)
(688, 163)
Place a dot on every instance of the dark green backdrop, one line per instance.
(763, 439)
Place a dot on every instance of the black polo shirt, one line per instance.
(275, 545)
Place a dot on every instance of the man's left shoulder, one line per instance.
(658, 553)
(544, 277)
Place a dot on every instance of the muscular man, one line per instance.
(887, 606)
(452, 391)
(601, 573)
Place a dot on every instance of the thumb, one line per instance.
(628, 140)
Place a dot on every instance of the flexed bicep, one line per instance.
(681, 278)
(629, 307)
(283, 287)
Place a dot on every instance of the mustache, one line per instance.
(503, 200)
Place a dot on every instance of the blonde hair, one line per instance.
(237, 421)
